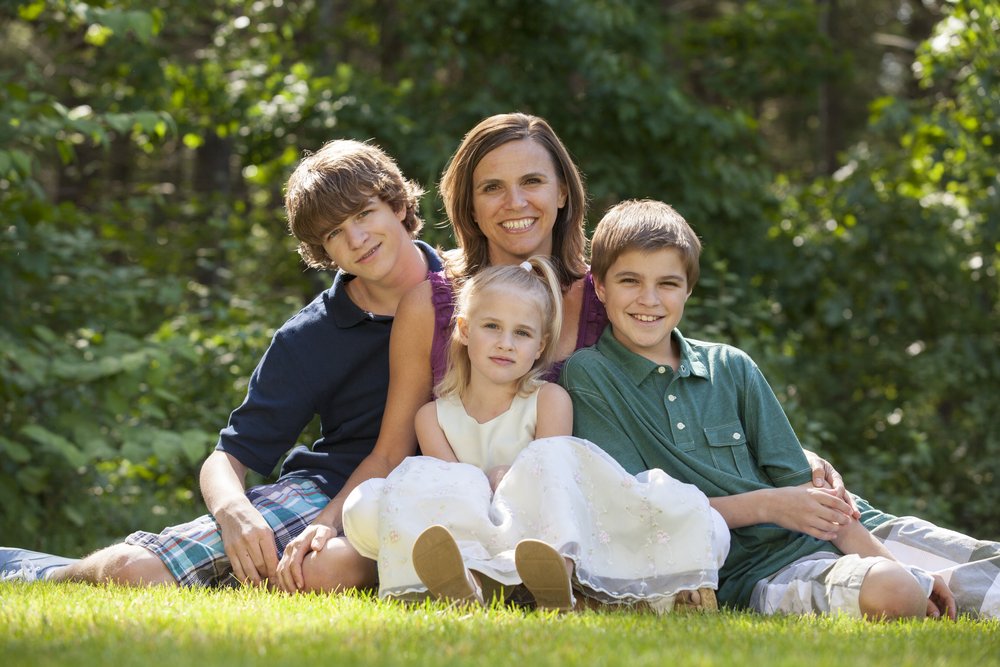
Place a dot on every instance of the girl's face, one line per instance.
(504, 335)
(516, 195)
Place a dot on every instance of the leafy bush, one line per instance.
(144, 259)
(888, 278)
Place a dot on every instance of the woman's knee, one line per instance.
(361, 517)
(337, 567)
(889, 591)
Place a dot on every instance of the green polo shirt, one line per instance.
(714, 423)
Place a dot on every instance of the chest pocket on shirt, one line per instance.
(730, 451)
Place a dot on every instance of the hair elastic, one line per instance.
(526, 265)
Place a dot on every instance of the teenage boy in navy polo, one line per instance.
(704, 413)
(350, 208)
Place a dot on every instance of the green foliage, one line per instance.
(145, 145)
(42, 624)
(144, 259)
(122, 345)
(102, 367)
(897, 295)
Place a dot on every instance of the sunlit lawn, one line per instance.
(69, 624)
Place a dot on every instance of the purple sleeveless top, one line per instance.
(592, 322)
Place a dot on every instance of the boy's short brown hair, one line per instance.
(335, 183)
(646, 225)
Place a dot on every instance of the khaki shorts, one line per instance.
(821, 583)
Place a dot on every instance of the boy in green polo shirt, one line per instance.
(704, 413)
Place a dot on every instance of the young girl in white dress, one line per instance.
(503, 491)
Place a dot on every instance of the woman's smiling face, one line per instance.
(516, 197)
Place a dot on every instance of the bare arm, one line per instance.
(854, 538)
(555, 412)
(816, 512)
(246, 537)
(433, 441)
(409, 388)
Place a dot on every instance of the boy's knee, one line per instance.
(122, 564)
(337, 567)
(889, 592)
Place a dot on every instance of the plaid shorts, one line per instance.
(193, 551)
(820, 583)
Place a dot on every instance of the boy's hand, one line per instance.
(825, 476)
(942, 601)
(817, 512)
(249, 543)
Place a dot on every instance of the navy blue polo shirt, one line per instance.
(330, 359)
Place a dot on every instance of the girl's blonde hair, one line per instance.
(535, 279)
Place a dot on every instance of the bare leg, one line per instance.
(121, 564)
(337, 567)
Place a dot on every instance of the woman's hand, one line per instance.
(289, 571)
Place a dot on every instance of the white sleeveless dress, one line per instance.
(632, 538)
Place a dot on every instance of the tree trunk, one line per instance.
(830, 134)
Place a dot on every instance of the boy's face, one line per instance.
(367, 244)
(644, 294)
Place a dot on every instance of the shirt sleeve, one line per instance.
(593, 417)
(276, 409)
(778, 450)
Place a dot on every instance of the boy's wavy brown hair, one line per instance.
(335, 183)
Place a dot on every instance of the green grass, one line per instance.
(74, 624)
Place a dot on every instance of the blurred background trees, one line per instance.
(839, 159)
